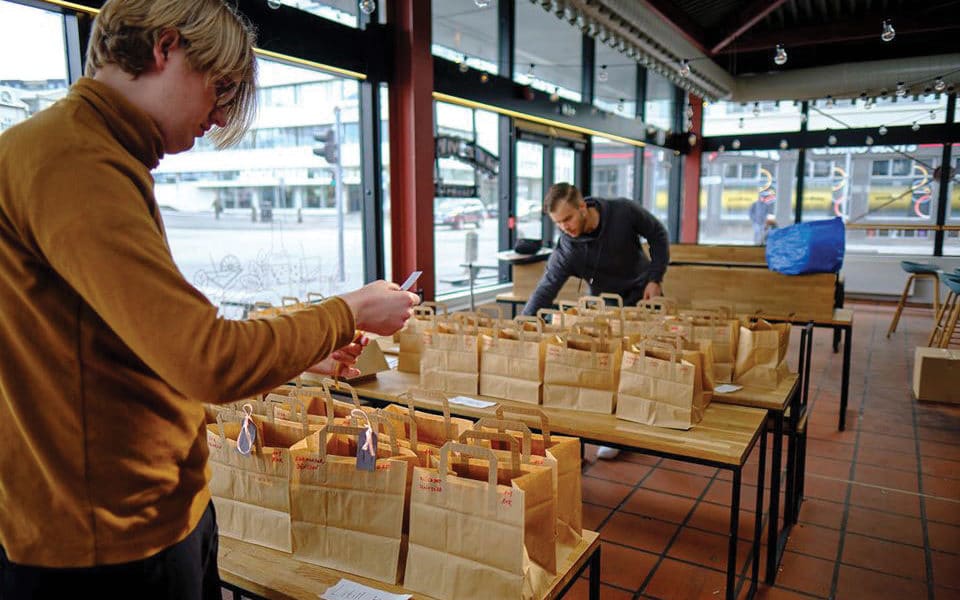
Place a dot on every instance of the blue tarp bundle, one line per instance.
(812, 247)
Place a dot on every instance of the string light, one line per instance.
(756, 109)
(735, 144)
(530, 71)
(620, 105)
(780, 58)
(933, 115)
(482, 3)
(555, 96)
(603, 75)
(832, 139)
(741, 123)
(484, 77)
(882, 130)
(830, 102)
(901, 89)
(368, 6)
(915, 126)
(274, 4)
(939, 85)
(888, 32)
(784, 145)
(684, 69)
(692, 139)
(868, 141)
(463, 66)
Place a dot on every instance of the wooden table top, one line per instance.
(724, 436)
(776, 400)
(277, 575)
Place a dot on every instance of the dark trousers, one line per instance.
(185, 571)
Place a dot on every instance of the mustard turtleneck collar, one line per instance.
(132, 127)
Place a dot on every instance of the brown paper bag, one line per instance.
(540, 536)
(697, 325)
(565, 450)
(251, 493)
(468, 528)
(429, 432)
(658, 387)
(580, 372)
(762, 354)
(451, 358)
(344, 518)
(410, 338)
(511, 362)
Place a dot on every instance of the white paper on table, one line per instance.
(726, 388)
(351, 590)
(471, 402)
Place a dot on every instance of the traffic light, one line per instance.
(329, 148)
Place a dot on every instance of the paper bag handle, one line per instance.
(436, 306)
(330, 428)
(521, 320)
(617, 298)
(289, 301)
(330, 384)
(379, 420)
(323, 392)
(503, 426)
(436, 395)
(531, 411)
(474, 451)
(543, 312)
(476, 434)
(297, 409)
(315, 297)
(406, 418)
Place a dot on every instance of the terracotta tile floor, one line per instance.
(881, 517)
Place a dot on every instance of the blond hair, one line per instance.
(217, 40)
(561, 192)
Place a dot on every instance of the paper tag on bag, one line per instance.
(471, 402)
(367, 450)
(351, 590)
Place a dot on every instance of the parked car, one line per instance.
(457, 212)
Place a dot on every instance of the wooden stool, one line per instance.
(946, 324)
(917, 271)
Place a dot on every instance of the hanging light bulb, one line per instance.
(803, 117)
(784, 145)
(721, 148)
(692, 139)
(939, 85)
(530, 71)
(684, 69)
(901, 89)
(933, 115)
(484, 77)
(888, 32)
(832, 139)
(780, 57)
(756, 109)
(740, 124)
(482, 3)
(915, 126)
(555, 96)
(620, 105)
(869, 140)
(570, 15)
(602, 75)
(868, 103)
(882, 130)
(830, 102)
(735, 144)
(462, 64)
(368, 6)
(274, 4)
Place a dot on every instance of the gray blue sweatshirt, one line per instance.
(610, 258)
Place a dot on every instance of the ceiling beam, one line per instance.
(753, 14)
(859, 28)
(680, 21)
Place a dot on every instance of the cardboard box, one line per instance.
(936, 374)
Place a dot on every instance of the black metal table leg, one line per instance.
(836, 340)
(845, 381)
(734, 530)
(791, 501)
(758, 516)
(773, 526)
(594, 593)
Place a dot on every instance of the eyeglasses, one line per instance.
(226, 92)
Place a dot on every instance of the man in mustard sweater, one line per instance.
(107, 351)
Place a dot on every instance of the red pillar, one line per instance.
(411, 144)
(690, 219)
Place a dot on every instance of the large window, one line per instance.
(658, 164)
(465, 203)
(889, 112)
(733, 118)
(743, 195)
(554, 49)
(615, 82)
(529, 190)
(885, 194)
(33, 72)
(659, 102)
(613, 169)
(274, 216)
(464, 32)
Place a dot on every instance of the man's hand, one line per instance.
(340, 362)
(652, 290)
(380, 307)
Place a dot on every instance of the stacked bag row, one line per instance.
(651, 363)
(443, 506)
